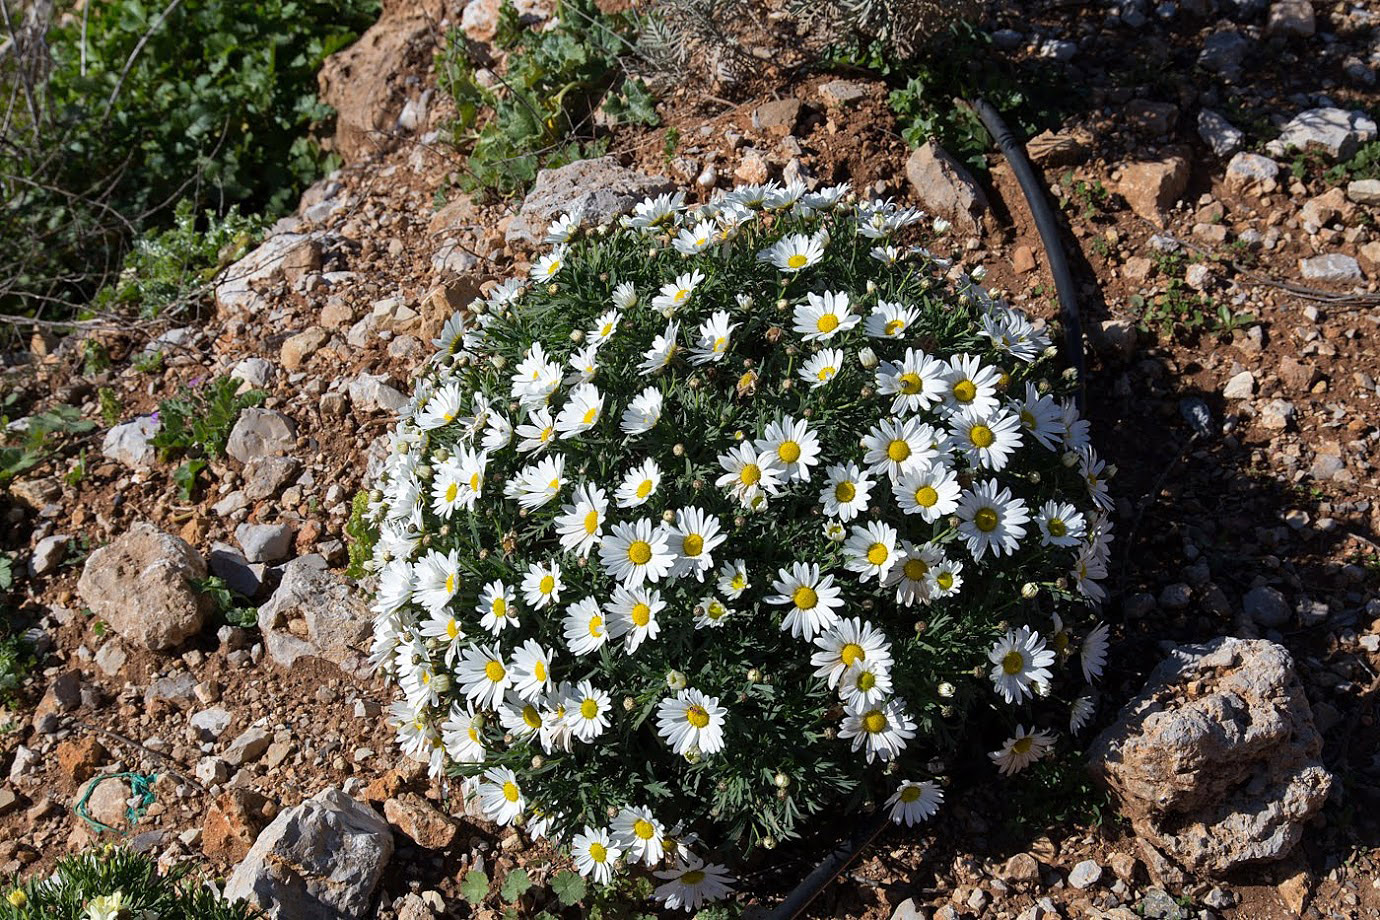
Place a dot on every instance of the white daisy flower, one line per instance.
(887, 255)
(435, 579)
(945, 578)
(496, 608)
(1093, 653)
(651, 213)
(460, 734)
(604, 328)
(535, 378)
(881, 730)
(1074, 432)
(691, 721)
(823, 199)
(1040, 418)
(531, 670)
(991, 520)
(931, 491)
(636, 552)
(588, 711)
(714, 334)
(632, 616)
(585, 631)
(794, 445)
(520, 717)
(694, 240)
(693, 538)
(847, 643)
(595, 854)
(448, 491)
(555, 734)
(640, 834)
(971, 386)
(898, 446)
(914, 802)
(500, 796)
(1060, 524)
(549, 265)
(890, 320)
(691, 882)
(638, 485)
(733, 578)
(750, 473)
(870, 550)
(582, 412)
(584, 364)
(814, 600)
(1014, 334)
(443, 407)
(1080, 713)
(539, 483)
(537, 433)
(483, 675)
(821, 367)
(1020, 664)
(711, 612)
(642, 413)
(793, 252)
(624, 297)
(780, 197)
(821, 317)
(562, 229)
(910, 576)
(444, 628)
(1021, 750)
(915, 383)
(663, 350)
(866, 684)
(581, 524)
(498, 433)
(675, 294)
(986, 441)
(1095, 474)
(846, 491)
(541, 586)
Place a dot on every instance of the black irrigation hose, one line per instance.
(1048, 225)
(849, 850)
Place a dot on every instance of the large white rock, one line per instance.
(128, 443)
(337, 625)
(594, 191)
(140, 585)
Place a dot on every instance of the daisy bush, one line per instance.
(730, 516)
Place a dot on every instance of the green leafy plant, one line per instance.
(361, 533)
(95, 357)
(1090, 199)
(149, 362)
(199, 421)
(77, 473)
(748, 567)
(232, 607)
(541, 111)
(1181, 311)
(185, 478)
(40, 437)
(112, 407)
(474, 887)
(515, 884)
(118, 883)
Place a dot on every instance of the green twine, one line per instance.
(140, 784)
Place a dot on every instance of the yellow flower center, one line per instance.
(644, 488)
(474, 482)
(450, 583)
(719, 344)
(452, 490)
(986, 520)
(965, 391)
(453, 628)
(739, 581)
(981, 436)
(589, 416)
(910, 794)
(827, 323)
(511, 791)
(1027, 419)
(789, 452)
(589, 708)
(945, 580)
(911, 383)
(531, 716)
(1022, 746)
(539, 670)
(607, 329)
(693, 877)
(596, 626)
(1061, 641)
(546, 433)
(681, 295)
(474, 735)
(750, 475)
(692, 545)
(18, 898)
(554, 485)
(643, 830)
(639, 552)
(866, 681)
(1013, 662)
(826, 373)
(874, 721)
(598, 852)
(697, 716)
(555, 267)
(852, 652)
(805, 597)
(877, 553)
(915, 569)
(797, 261)
(641, 614)
(894, 327)
(499, 607)
(547, 584)
(1057, 528)
(898, 450)
(495, 671)
(591, 522)
(845, 492)
(926, 496)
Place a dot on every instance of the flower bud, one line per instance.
(538, 761)
(629, 704)
(1030, 590)
(867, 357)
(946, 690)
(754, 676)
(781, 780)
(768, 843)
(577, 336)
(676, 680)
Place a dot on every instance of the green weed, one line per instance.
(40, 438)
(199, 421)
(231, 606)
(361, 534)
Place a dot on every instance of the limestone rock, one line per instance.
(1152, 187)
(1364, 191)
(1332, 131)
(1216, 762)
(420, 821)
(1252, 172)
(320, 860)
(944, 187)
(140, 585)
(232, 823)
(1291, 18)
(261, 433)
(371, 393)
(1221, 135)
(595, 191)
(1334, 267)
(49, 553)
(283, 256)
(128, 443)
(336, 624)
(264, 542)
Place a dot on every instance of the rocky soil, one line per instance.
(1174, 162)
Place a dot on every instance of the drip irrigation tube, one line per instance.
(1048, 225)
(849, 850)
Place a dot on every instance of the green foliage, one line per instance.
(1180, 311)
(77, 473)
(568, 887)
(40, 437)
(1055, 791)
(541, 111)
(1086, 198)
(170, 266)
(16, 662)
(515, 885)
(112, 873)
(234, 608)
(1364, 164)
(361, 533)
(112, 408)
(95, 357)
(184, 477)
(622, 899)
(145, 104)
(672, 142)
(199, 421)
(150, 362)
(474, 886)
